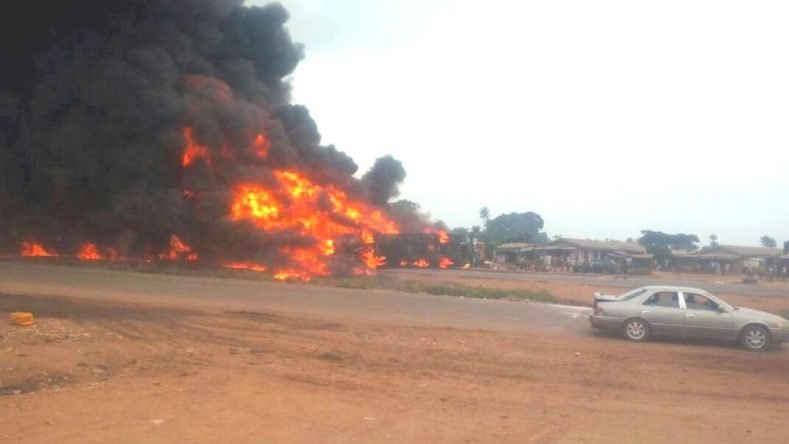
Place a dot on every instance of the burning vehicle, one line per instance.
(430, 249)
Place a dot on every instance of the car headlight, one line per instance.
(781, 325)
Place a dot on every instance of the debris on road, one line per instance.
(22, 319)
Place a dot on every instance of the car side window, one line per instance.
(695, 301)
(663, 299)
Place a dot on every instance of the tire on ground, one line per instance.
(755, 337)
(636, 330)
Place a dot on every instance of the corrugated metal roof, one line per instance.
(514, 246)
(609, 245)
(748, 251)
(709, 256)
(752, 251)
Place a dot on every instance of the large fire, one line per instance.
(323, 213)
(211, 163)
(326, 220)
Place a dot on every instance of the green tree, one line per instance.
(713, 240)
(768, 242)
(660, 244)
(515, 227)
(659, 240)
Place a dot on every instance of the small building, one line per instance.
(587, 255)
(531, 257)
(726, 259)
(511, 254)
(575, 255)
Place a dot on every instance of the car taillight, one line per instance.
(599, 310)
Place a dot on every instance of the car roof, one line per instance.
(674, 288)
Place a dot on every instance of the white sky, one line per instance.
(604, 117)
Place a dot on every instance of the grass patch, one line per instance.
(489, 293)
(435, 288)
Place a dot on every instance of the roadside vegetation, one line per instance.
(383, 282)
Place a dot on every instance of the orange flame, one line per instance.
(328, 247)
(368, 238)
(246, 266)
(443, 237)
(32, 249)
(262, 145)
(421, 263)
(371, 260)
(193, 150)
(445, 262)
(467, 266)
(178, 250)
(89, 252)
(292, 274)
(300, 205)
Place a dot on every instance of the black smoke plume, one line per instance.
(94, 96)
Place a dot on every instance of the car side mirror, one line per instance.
(722, 309)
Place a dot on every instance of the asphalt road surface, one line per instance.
(236, 294)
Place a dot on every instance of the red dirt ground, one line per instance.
(128, 372)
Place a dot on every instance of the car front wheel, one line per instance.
(755, 338)
(636, 330)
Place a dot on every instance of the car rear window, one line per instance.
(664, 299)
(632, 294)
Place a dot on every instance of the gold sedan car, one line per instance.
(686, 312)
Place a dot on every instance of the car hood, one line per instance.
(762, 315)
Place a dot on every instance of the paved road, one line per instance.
(235, 294)
(724, 284)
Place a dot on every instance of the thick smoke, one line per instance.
(94, 99)
(383, 179)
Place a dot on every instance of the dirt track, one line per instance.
(126, 367)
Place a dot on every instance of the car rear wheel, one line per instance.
(636, 330)
(755, 338)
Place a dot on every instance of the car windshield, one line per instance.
(721, 301)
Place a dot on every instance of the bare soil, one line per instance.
(130, 372)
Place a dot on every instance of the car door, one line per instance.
(704, 320)
(664, 312)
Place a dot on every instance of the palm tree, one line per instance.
(484, 214)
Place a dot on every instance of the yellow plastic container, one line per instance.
(21, 318)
